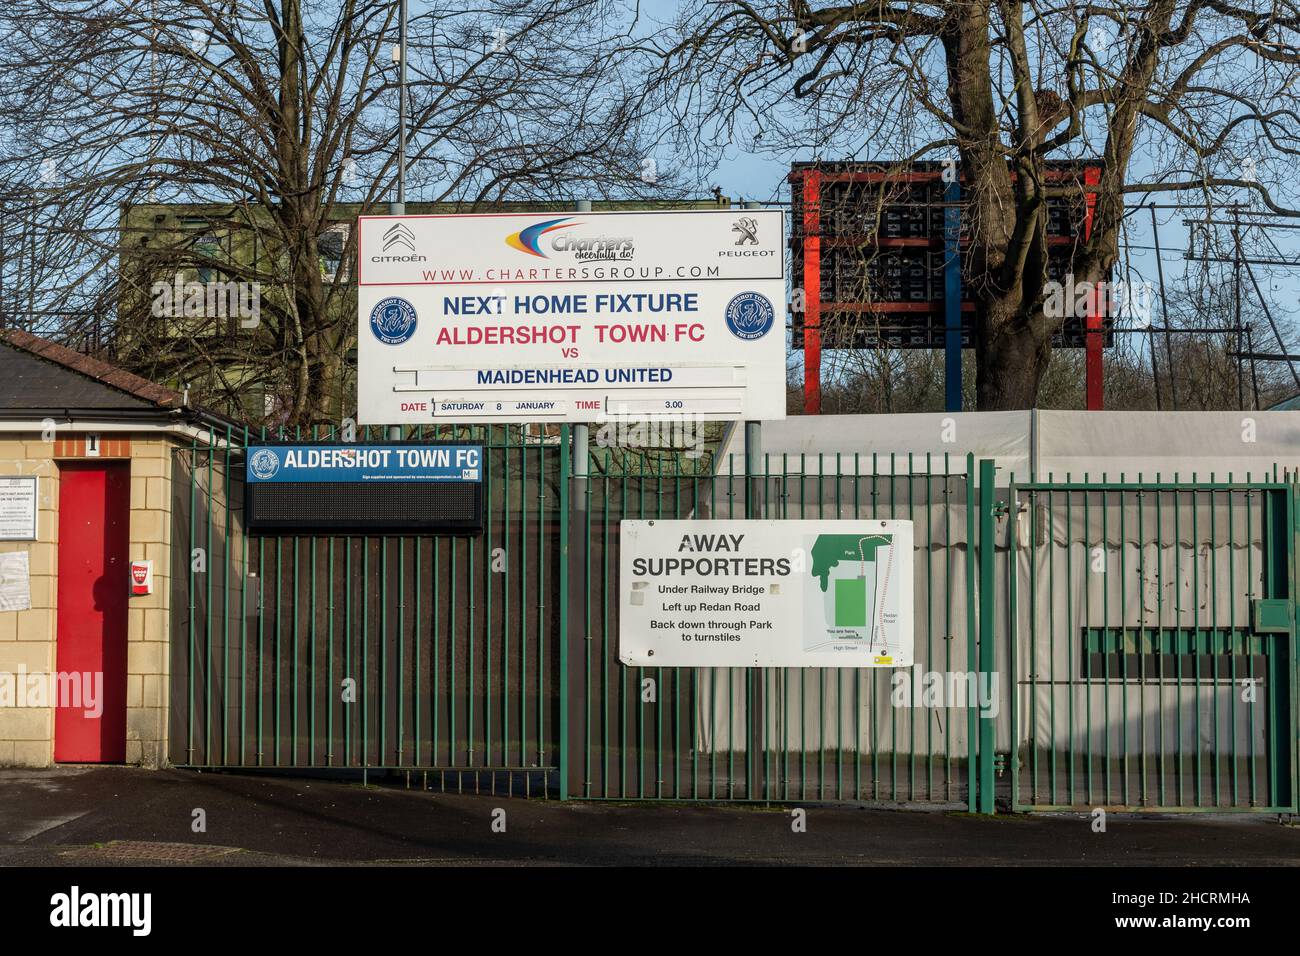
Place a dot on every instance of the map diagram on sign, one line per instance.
(855, 601)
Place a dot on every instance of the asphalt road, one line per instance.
(127, 816)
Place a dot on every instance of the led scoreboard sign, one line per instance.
(578, 317)
(358, 488)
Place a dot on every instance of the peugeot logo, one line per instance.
(399, 235)
(747, 226)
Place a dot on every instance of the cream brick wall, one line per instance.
(148, 654)
(28, 638)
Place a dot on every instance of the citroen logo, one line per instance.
(399, 235)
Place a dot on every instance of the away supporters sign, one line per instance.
(765, 593)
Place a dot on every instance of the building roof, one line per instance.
(37, 374)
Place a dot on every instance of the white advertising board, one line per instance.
(571, 317)
(765, 593)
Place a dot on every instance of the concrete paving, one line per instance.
(121, 816)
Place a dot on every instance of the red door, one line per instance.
(94, 573)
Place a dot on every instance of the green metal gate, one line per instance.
(777, 734)
(1151, 643)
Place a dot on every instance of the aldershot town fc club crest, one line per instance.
(265, 464)
(392, 320)
(750, 315)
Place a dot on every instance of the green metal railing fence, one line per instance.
(1096, 643)
(779, 734)
(378, 651)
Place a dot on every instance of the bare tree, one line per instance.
(1171, 97)
(279, 116)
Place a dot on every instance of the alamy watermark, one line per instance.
(82, 690)
(943, 689)
(1118, 299)
(78, 908)
(667, 431)
(214, 299)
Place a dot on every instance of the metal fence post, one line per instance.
(1289, 679)
(754, 683)
(565, 582)
(578, 634)
(972, 650)
(1279, 573)
(987, 655)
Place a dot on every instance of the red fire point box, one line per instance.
(142, 577)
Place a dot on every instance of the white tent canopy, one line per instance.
(1039, 443)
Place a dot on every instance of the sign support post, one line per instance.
(987, 662)
(754, 509)
(566, 585)
(575, 774)
(398, 208)
(755, 677)
(576, 542)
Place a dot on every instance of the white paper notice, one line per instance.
(18, 509)
(15, 582)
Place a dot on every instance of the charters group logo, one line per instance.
(750, 316)
(581, 248)
(392, 320)
(264, 464)
(529, 240)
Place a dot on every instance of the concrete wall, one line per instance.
(28, 638)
